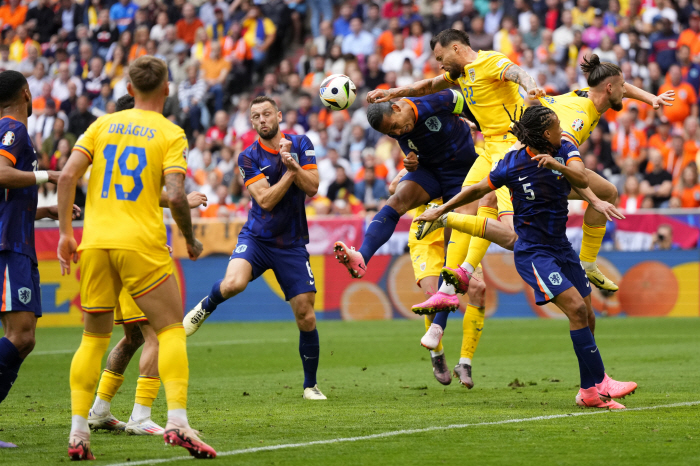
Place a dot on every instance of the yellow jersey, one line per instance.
(577, 115)
(131, 152)
(486, 92)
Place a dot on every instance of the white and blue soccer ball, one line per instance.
(337, 92)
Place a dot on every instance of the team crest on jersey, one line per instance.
(8, 138)
(25, 295)
(241, 248)
(577, 125)
(555, 278)
(433, 123)
(472, 74)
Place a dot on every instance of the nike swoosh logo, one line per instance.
(593, 351)
(306, 358)
(600, 282)
(312, 282)
(263, 168)
(521, 179)
(378, 221)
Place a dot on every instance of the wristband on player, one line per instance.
(42, 176)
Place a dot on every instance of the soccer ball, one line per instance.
(337, 92)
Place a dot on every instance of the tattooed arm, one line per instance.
(517, 75)
(417, 89)
(180, 210)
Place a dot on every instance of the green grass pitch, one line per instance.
(245, 392)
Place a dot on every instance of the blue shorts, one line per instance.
(444, 180)
(291, 266)
(550, 269)
(20, 283)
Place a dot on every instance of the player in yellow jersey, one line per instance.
(133, 153)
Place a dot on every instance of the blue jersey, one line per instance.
(539, 194)
(285, 226)
(18, 206)
(439, 132)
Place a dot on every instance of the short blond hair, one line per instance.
(147, 73)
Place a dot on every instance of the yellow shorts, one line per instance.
(104, 272)
(494, 150)
(428, 254)
(127, 312)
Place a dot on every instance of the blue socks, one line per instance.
(441, 317)
(214, 299)
(589, 356)
(309, 352)
(379, 231)
(9, 366)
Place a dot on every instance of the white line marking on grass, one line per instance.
(195, 344)
(404, 432)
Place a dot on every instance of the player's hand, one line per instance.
(607, 209)
(194, 250)
(664, 99)
(535, 93)
(196, 199)
(410, 162)
(430, 215)
(67, 251)
(53, 212)
(287, 159)
(380, 95)
(53, 176)
(546, 161)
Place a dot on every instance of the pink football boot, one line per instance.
(459, 278)
(437, 303)
(589, 398)
(610, 388)
(351, 259)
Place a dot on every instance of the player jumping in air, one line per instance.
(279, 171)
(132, 153)
(540, 176)
(20, 304)
(137, 332)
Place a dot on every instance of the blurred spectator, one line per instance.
(437, 20)
(42, 124)
(341, 182)
(662, 140)
(394, 60)
(341, 26)
(689, 70)
(657, 183)
(631, 198)
(319, 8)
(178, 65)
(70, 104)
(158, 31)
(663, 43)
(583, 13)
(104, 34)
(220, 27)
(188, 25)
(290, 98)
(628, 141)
(370, 190)
(686, 103)
(290, 124)
(41, 19)
(215, 68)
(386, 40)
(209, 9)
(479, 38)
(358, 41)
(594, 34)
(492, 19)
(138, 48)
(99, 103)
(533, 38)
(50, 144)
(663, 238)
(96, 77)
(191, 94)
(408, 15)
(122, 14)
(38, 79)
(325, 39)
(226, 165)
(13, 13)
(220, 205)
(41, 100)
(691, 37)
(259, 34)
(327, 169)
(81, 117)
(688, 190)
(564, 34)
(339, 134)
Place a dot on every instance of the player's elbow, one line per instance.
(178, 200)
(581, 183)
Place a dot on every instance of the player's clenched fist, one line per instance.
(410, 162)
(535, 93)
(287, 158)
(195, 250)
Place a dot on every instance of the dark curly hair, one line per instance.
(530, 127)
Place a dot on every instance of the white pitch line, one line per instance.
(198, 343)
(404, 432)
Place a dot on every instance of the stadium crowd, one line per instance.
(222, 54)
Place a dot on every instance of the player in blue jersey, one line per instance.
(539, 177)
(439, 153)
(20, 303)
(279, 171)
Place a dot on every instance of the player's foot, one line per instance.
(7, 445)
(459, 278)
(143, 427)
(440, 369)
(610, 388)
(596, 277)
(178, 433)
(106, 422)
(425, 228)
(432, 337)
(438, 302)
(313, 393)
(195, 318)
(464, 373)
(351, 259)
(79, 446)
(590, 398)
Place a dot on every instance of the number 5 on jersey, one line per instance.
(110, 154)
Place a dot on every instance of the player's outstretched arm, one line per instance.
(11, 178)
(517, 75)
(180, 210)
(75, 168)
(467, 195)
(417, 89)
(195, 199)
(52, 212)
(656, 101)
(574, 172)
(268, 196)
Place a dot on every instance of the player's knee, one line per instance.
(477, 292)
(580, 313)
(612, 196)
(397, 203)
(306, 320)
(231, 286)
(489, 200)
(24, 342)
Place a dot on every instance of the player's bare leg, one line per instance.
(100, 416)
(408, 195)
(162, 307)
(472, 327)
(303, 308)
(140, 422)
(15, 346)
(594, 230)
(238, 274)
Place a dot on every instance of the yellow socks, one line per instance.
(147, 390)
(478, 246)
(592, 240)
(109, 385)
(469, 224)
(429, 320)
(472, 325)
(85, 371)
(173, 365)
(457, 248)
